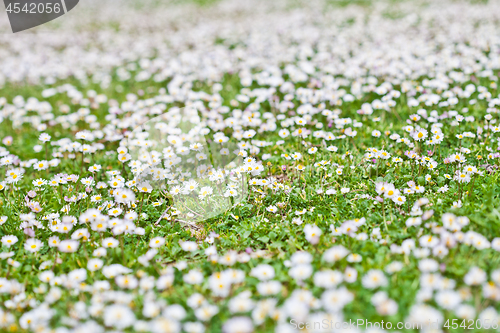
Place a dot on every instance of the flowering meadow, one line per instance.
(363, 182)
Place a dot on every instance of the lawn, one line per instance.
(256, 166)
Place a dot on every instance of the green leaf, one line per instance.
(277, 245)
(263, 239)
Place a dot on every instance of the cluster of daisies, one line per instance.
(246, 166)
